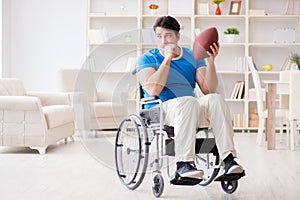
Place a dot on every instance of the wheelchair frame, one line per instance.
(135, 135)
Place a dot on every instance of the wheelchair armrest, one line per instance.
(149, 99)
(203, 129)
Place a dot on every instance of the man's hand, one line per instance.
(206, 77)
(215, 50)
(171, 51)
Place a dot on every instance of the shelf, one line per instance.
(100, 15)
(268, 72)
(156, 16)
(235, 44)
(254, 100)
(230, 72)
(273, 44)
(256, 39)
(221, 16)
(274, 16)
(235, 100)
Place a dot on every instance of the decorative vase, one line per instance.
(218, 10)
(230, 38)
(153, 11)
(294, 66)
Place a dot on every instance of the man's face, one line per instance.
(166, 36)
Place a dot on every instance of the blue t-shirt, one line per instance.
(181, 77)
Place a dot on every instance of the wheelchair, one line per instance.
(137, 133)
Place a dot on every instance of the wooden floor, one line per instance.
(84, 169)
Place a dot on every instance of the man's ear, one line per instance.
(178, 36)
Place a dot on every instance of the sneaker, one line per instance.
(232, 167)
(187, 170)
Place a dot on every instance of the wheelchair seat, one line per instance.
(203, 145)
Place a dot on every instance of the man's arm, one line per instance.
(206, 77)
(153, 81)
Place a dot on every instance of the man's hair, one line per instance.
(167, 22)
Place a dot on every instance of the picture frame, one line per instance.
(203, 8)
(235, 7)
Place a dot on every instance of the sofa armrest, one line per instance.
(19, 103)
(52, 98)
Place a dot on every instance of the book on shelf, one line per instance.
(241, 90)
(285, 64)
(233, 93)
(253, 118)
(254, 64)
(240, 63)
(238, 120)
(98, 36)
(238, 90)
(257, 12)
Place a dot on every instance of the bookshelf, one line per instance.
(126, 28)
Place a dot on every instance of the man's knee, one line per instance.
(188, 101)
(216, 99)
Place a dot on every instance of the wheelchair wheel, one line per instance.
(229, 186)
(131, 151)
(158, 185)
(209, 163)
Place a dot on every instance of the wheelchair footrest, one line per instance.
(178, 180)
(230, 177)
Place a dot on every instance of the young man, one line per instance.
(171, 72)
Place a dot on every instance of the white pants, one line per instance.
(188, 113)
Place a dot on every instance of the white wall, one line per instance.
(5, 64)
(45, 35)
(0, 38)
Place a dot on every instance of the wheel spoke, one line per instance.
(130, 163)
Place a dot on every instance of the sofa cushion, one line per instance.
(11, 87)
(57, 115)
(107, 109)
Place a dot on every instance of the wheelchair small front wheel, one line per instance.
(158, 185)
(229, 186)
(131, 151)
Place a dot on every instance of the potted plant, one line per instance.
(295, 59)
(153, 8)
(231, 33)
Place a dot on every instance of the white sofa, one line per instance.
(33, 119)
(101, 110)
